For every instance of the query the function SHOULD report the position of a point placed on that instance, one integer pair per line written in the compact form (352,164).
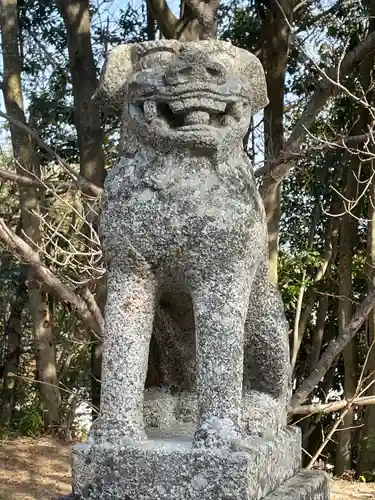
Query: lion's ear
(115,72)
(252,71)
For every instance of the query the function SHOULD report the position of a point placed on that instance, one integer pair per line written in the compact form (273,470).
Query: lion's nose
(196,66)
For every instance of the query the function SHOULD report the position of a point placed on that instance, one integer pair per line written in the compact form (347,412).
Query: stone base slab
(305,485)
(302,486)
(171,469)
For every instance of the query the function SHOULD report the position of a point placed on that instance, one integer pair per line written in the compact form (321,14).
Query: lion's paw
(215,432)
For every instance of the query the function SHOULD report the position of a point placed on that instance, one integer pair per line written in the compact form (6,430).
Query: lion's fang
(149,110)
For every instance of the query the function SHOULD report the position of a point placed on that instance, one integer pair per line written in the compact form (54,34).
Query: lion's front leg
(220,306)
(129,316)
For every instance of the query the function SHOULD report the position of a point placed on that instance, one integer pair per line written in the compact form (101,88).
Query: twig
(63,292)
(165,18)
(358,392)
(348,142)
(93,306)
(334,348)
(28,181)
(330,407)
(328,438)
(81,181)
(279,169)
(297,338)
(67,391)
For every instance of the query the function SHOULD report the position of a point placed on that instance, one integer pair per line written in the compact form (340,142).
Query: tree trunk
(318,332)
(82,67)
(12,334)
(45,347)
(274,56)
(366,465)
(151,26)
(197,20)
(330,254)
(90,137)
(348,233)
(30,199)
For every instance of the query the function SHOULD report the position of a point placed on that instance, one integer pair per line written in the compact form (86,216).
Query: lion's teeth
(160,123)
(149,110)
(227,120)
(197,118)
(237,111)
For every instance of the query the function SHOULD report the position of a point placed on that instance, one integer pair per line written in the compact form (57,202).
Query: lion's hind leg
(266,358)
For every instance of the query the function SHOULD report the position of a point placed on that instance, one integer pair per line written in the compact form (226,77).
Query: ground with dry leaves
(39,470)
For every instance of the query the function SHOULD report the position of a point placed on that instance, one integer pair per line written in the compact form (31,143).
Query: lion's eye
(225,59)
(159,58)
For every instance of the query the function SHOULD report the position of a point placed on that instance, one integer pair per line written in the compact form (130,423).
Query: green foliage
(240,23)
(29,421)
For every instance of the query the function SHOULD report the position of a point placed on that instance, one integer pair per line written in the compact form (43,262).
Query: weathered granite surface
(182,216)
(183,225)
(171,468)
(303,486)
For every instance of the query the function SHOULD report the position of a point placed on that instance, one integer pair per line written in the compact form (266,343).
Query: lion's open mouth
(193,111)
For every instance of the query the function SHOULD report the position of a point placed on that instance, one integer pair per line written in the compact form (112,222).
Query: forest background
(313,150)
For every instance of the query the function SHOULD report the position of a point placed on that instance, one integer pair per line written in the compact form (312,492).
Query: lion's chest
(172,208)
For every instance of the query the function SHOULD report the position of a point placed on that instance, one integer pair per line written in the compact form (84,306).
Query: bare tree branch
(7,175)
(63,292)
(352,141)
(164,17)
(279,169)
(334,348)
(93,306)
(74,253)
(205,13)
(323,14)
(81,182)
(361,388)
(328,437)
(330,407)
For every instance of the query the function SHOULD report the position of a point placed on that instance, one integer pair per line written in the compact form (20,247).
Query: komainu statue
(183,229)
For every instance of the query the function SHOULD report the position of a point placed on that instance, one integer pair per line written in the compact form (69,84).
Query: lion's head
(173,94)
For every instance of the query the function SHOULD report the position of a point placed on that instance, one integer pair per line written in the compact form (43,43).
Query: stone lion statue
(183,227)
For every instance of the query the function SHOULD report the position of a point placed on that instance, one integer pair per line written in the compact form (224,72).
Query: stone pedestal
(303,486)
(169,468)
